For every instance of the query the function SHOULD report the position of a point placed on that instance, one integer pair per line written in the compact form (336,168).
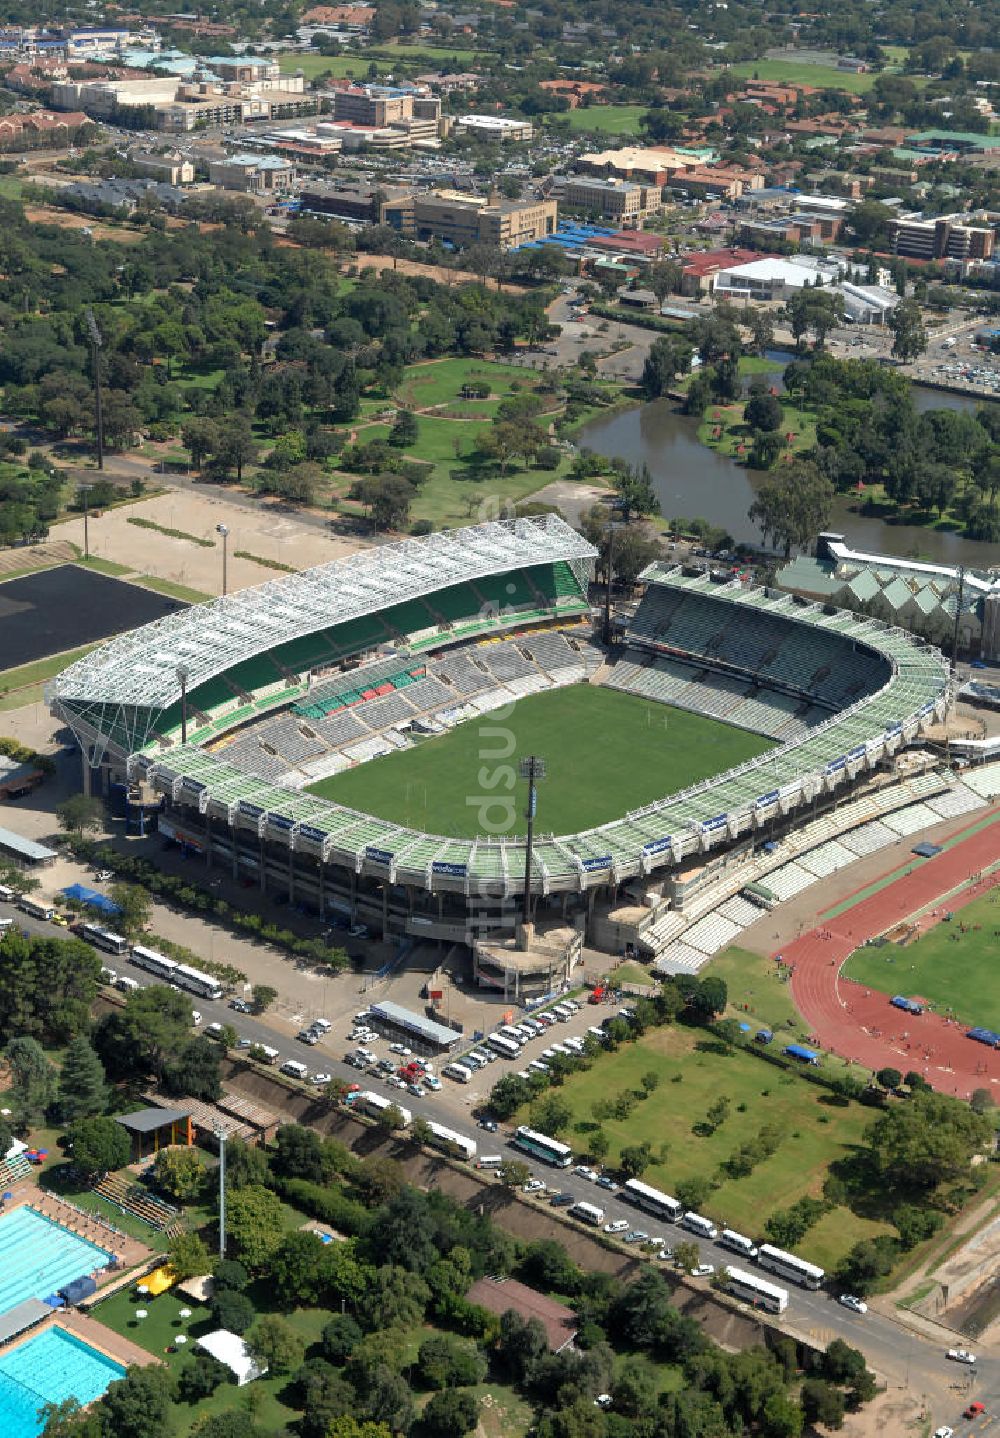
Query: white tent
(230,1349)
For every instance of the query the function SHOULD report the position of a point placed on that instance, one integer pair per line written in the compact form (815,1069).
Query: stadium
(348,737)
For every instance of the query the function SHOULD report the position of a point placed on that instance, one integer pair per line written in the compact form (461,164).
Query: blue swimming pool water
(38,1257)
(49,1369)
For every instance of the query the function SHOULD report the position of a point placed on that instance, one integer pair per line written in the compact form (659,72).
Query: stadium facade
(223,714)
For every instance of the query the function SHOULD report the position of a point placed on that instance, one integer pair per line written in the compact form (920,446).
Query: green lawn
(172,590)
(801,72)
(815,1133)
(38,671)
(606,753)
(758,989)
(603,119)
(440,383)
(954,971)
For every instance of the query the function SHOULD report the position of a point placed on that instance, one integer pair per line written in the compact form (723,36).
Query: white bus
(703,1227)
(458,1072)
(651,1200)
(376,1105)
(549,1150)
(507,1048)
(756,1290)
(7,895)
(729,1238)
(508,1031)
(104,939)
(587,1213)
(490,1162)
(788,1266)
(198,983)
(451,1142)
(37,908)
(157,964)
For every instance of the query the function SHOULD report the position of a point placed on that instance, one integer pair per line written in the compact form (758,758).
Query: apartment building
(946,237)
(253,174)
(620,201)
(459,219)
(167,165)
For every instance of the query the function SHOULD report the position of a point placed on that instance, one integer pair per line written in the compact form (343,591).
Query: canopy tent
(230,1349)
(92,899)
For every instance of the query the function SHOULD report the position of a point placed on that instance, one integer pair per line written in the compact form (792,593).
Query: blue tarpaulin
(799,1051)
(92,899)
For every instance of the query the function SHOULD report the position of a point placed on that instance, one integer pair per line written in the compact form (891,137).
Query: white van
(703,1227)
(127,985)
(7,895)
(294,1070)
(264,1053)
(458,1072)
(108,976)
(563,1013)
(490,1160)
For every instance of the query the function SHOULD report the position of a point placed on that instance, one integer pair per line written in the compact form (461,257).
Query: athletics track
(859,1023)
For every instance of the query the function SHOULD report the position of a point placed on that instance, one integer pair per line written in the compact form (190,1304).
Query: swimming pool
(38,1257)
(49,1369)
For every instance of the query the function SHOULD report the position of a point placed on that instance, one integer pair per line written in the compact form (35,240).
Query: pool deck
(84,1326)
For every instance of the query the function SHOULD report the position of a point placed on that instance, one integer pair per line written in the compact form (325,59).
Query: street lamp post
(96,341)
(182,673)
(223,529)
(85,491)
(533,769)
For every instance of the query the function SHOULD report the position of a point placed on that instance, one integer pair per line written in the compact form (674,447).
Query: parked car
(608,1183)
(975,1410)
(534,1185)
(239,1006)
(703,1270)
(562,1200)
(320,1080)
(489,1125)
(617,1225)
(590,1174)
(961,1355)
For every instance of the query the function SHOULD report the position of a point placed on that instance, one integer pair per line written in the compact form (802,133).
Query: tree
(869,220)
(236,447)
(981,1100)
(188,1256)
(551,1114)
(387,498)
(340,1338)
(763,412)
(297,1269)
(33,1081)
(636,495)
(135,908)
(246,1165)
(275,1345)
(180,1173)
(405,430)
(200,1377)
(255,1220)
(817,310)
(669,356)
(709,997)
(927,1141)
(80,813)
(687,1256)
(139,1404)
(230,1273)
(635,1159)
(447,1362)
(513,1173)
(889,1078)
(82,1088)
(200,437)
(232,1310)
(663,277)
(909,335)
(195,1071)
(298,1153)
(263,997)
(793,508)
(450,1414)
(761,326)
(147,1036)
(99,1145)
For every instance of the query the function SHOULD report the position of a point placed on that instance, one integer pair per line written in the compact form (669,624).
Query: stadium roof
(141,668)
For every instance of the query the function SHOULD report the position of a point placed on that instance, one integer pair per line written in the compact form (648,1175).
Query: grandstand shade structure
(871,689)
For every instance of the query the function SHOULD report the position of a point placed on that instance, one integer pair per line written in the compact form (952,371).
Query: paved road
(904,1358)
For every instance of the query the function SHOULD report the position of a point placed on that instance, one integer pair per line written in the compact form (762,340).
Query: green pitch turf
(954,971)
(605,753)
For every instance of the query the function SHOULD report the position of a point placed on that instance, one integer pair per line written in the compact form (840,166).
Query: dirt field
(268,532)
(47,215)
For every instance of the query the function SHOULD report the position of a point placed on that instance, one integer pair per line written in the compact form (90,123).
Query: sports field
(954,966)
(691,1076)
(605,753)
(801,72)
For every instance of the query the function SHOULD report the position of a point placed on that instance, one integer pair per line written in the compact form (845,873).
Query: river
(692,480)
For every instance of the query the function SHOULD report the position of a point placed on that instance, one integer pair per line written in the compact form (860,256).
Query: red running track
(860,1024)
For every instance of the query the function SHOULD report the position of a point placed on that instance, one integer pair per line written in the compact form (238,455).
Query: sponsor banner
(453,871)
(248,810)
(279,821)
(378,856)
(657,846)
(602,862)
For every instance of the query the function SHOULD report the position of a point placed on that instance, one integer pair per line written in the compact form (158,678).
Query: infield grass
(605,753)
(954,970)
(693,1073)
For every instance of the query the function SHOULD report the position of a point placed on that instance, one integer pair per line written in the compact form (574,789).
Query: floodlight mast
(96,344)
(532,768)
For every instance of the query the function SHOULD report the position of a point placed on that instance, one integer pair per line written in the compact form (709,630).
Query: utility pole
(223,529)
(221,1135)
(182,673)
(96,342)
(533,769)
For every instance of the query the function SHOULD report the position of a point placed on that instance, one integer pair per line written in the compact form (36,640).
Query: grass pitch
(605,753)
(954,970)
